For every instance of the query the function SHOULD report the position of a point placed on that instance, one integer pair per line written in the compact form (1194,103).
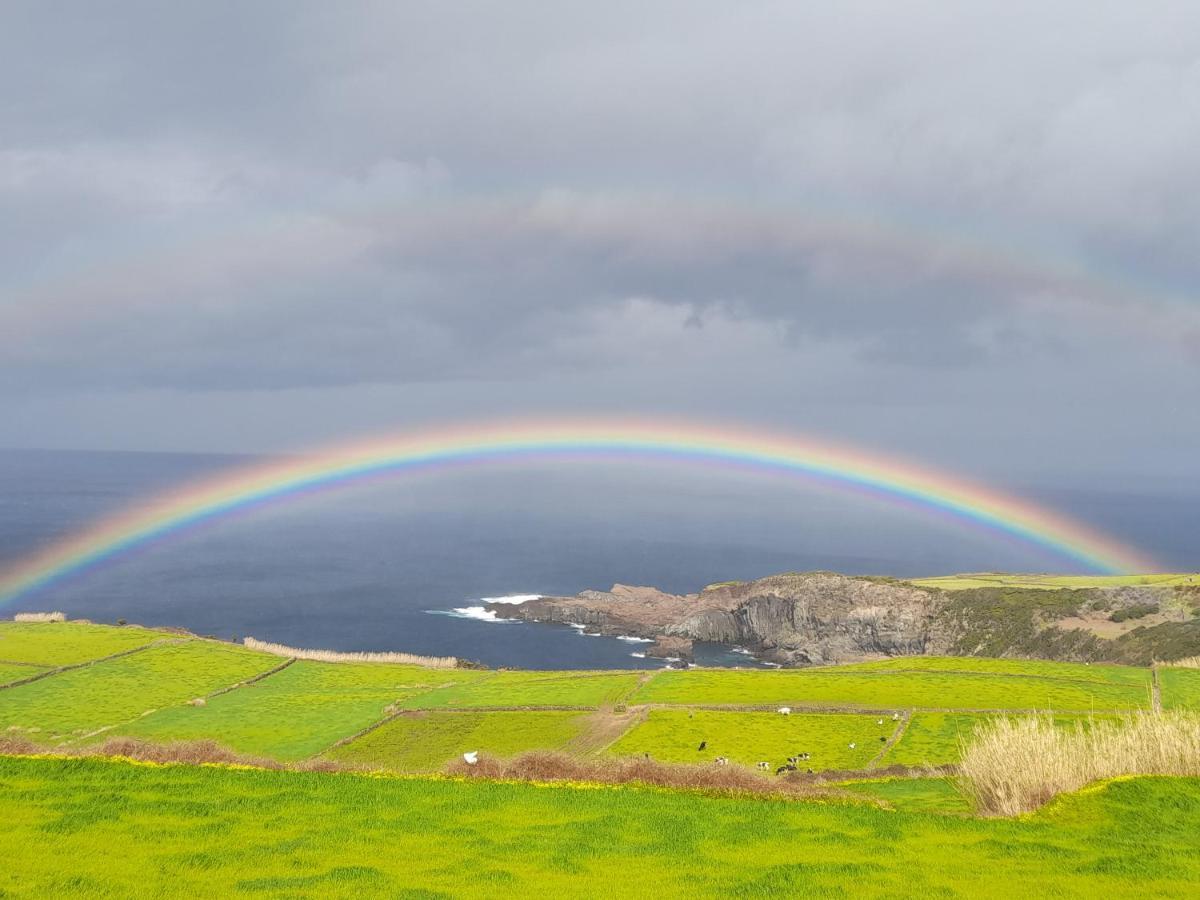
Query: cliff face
(820,618)
(791,619)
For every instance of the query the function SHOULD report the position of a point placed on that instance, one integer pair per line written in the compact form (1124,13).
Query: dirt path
(897,733)
(603,729)
(1155,690)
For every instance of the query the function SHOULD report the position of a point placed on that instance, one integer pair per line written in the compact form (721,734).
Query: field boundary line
(15,662)
(897,734)
(259,677)
(1155,690)
(800,707)
(91,662)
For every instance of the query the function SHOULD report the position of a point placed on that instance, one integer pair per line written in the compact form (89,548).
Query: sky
(967,234)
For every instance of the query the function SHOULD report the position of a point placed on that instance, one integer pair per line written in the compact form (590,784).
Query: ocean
(408,565)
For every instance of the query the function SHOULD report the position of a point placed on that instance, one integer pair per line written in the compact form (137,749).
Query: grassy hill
(130,830)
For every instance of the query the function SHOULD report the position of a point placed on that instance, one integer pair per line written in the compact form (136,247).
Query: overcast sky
(964,232)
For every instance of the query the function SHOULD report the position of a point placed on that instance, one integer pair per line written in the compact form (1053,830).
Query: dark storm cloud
(870,197)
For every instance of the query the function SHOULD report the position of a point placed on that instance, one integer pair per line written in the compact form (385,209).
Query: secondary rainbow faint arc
(227,494)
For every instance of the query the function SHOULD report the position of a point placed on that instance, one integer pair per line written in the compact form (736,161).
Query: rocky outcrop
(792,619)
(668,647)
(819,618)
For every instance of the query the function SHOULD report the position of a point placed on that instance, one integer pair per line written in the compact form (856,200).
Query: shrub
(1012,766)
(1137,611)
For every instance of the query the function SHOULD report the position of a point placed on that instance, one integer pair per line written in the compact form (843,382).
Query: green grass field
(425,741)
(10,672)
(673,735)
(67,643)
(1029,668)
(853,686)
(110,828)
(518,689)
(73,703)
(298,711)
(1052,582)
(1180,688)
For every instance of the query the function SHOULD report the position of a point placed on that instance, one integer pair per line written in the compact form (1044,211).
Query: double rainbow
(620,440)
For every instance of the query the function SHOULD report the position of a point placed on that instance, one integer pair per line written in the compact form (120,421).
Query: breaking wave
(482,613)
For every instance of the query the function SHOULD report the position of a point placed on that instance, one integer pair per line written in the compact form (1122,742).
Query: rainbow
(480,444)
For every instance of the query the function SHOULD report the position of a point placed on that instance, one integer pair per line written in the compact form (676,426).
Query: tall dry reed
(1012,766)
(1188,662)
(40,617)
(411,659)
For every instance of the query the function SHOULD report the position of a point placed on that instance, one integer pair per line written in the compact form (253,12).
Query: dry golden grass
(408,659)
(40,617)
(1011,766)
(1189,662)
(185,752)
(544,766)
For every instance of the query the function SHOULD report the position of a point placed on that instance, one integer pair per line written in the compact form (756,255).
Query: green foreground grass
(124,830)
(1180,688)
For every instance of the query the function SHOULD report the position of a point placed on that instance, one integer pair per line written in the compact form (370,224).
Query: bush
(1137,611)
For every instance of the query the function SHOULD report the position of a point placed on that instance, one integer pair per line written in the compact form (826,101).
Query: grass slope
(425,741)
(1180,688)
(1053,582)
(298,711)
(10,672)
(73,703)
(672,735)
(140,831)
(854,686)
(67,643)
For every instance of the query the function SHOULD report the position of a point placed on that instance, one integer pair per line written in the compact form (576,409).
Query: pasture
(512,689)
(69,643)
(75,703)
(1053,582)
(298,711)
(119,829)
(863,687)
(426,741)
(10,672)
(672,735)
(1180,687)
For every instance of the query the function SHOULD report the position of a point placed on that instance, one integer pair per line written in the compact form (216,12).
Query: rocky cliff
(819,618)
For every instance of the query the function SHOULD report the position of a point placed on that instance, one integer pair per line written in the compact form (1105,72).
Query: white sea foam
(637,655)
(635,640)
(482,613)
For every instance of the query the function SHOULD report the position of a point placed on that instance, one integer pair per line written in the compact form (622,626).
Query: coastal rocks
(790,619)
(668,647)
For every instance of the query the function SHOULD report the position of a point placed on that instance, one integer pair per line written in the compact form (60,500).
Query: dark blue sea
(404,565)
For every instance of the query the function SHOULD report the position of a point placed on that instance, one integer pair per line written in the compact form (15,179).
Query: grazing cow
(764,766)
(785,710)
(882,739)
(722,760)
(810,771)
(783,770)
(703,744)
(895,717)
(880,722)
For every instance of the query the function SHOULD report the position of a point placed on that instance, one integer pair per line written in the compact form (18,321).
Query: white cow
(785,710)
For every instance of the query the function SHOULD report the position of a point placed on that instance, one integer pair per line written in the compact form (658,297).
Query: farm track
(892,741)
(1155,690)
(604,728)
